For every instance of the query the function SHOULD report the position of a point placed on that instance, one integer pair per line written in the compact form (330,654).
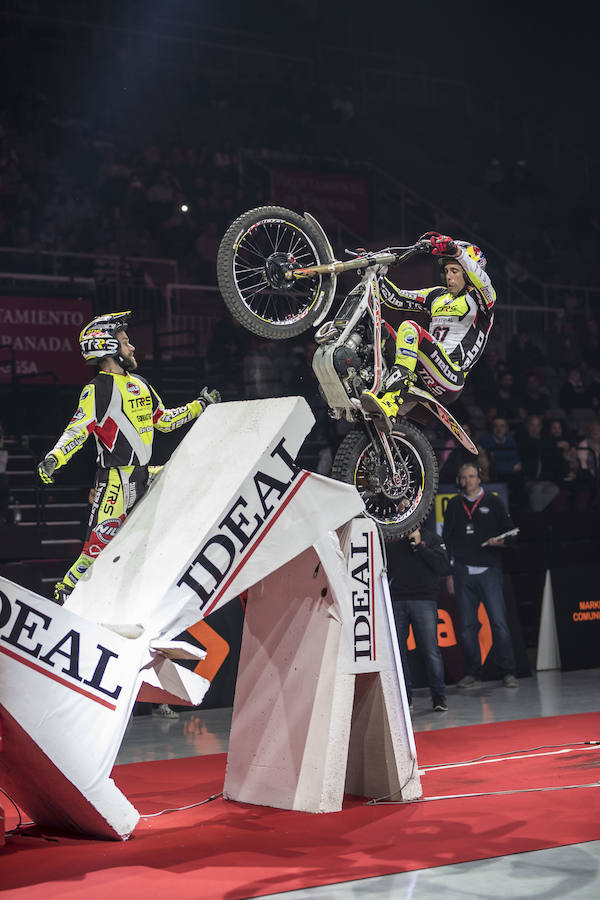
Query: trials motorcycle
(277,275)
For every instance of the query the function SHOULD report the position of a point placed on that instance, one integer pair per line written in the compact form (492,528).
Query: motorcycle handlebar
(389,257)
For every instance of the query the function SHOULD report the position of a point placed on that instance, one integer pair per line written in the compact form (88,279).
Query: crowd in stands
(534,416)
(142,179)
(536,424)
(101,167)
(163,184)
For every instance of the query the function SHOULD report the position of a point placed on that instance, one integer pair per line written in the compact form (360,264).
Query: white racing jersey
(460,324)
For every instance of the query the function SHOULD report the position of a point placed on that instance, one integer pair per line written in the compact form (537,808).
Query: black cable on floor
(564,787)
(20,824)
(386,799)
(467,762)
(180,808)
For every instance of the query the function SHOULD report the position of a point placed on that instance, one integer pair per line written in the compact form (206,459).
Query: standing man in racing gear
(461,314)
(122,411)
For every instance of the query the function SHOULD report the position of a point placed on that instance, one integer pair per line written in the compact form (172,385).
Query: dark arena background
(132,133)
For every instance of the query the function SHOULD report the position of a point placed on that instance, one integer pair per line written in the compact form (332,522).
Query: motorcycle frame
(338,396)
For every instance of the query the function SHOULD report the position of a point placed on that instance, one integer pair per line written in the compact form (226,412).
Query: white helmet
(472,250)
(99,340)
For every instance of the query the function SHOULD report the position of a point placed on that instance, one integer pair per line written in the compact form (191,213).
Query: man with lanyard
(475,527)
(122,411)
(461,316)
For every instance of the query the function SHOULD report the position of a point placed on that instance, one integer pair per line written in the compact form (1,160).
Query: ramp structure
(230,511)
(320,705)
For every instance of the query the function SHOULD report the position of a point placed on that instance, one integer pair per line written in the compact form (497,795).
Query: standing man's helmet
(99,340)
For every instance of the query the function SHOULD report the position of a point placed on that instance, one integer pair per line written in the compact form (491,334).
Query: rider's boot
(61,592)
(385,408)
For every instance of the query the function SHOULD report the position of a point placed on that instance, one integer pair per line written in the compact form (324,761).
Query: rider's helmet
(472,250)
(99,339)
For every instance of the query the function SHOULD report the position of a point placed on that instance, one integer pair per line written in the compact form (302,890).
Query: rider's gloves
(442,245)
(207,397)
(46,469)
(425,241)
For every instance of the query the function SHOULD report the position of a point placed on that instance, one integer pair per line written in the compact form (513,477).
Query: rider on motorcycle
(122,411)
(461,314)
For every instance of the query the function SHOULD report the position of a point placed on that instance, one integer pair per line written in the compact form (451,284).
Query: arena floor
(569,871)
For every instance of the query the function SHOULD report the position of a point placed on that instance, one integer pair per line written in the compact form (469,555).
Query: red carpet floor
(230,850)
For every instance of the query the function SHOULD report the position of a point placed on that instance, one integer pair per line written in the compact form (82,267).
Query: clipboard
(511,533)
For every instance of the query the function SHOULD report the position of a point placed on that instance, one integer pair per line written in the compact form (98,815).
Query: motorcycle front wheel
(254,253)
(398,505)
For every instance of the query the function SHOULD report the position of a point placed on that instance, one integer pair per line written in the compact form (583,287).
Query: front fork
(380,438)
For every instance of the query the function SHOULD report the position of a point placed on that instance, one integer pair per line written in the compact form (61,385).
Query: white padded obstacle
(230,507)
(230,511)
(67,688)
(320,706)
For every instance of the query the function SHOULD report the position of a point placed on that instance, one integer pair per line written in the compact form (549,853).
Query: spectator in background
(543,465)
(530,447)
(506,403)
(523,354)
(573,393)
(415,567)
(588,451)
(501,446)
(560,440)
(557,452)
(473,518)
(484,379)
(532,401)
(459,455)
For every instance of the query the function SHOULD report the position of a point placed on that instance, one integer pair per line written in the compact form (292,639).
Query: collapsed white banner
(229,508)
(67,688)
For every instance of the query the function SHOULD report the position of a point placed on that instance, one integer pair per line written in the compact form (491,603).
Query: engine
(353,355)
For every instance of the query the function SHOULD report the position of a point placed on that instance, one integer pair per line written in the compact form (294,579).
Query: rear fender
(424,400)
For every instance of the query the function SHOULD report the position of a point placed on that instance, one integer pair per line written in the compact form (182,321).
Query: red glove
(442,245)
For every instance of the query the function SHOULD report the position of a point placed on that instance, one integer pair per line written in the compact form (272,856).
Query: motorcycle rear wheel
(272,236)
(400,507)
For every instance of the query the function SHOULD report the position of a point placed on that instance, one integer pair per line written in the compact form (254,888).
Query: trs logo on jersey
(136,402)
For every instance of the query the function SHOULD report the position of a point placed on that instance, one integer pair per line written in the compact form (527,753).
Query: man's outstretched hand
(207,397)
(46,469)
